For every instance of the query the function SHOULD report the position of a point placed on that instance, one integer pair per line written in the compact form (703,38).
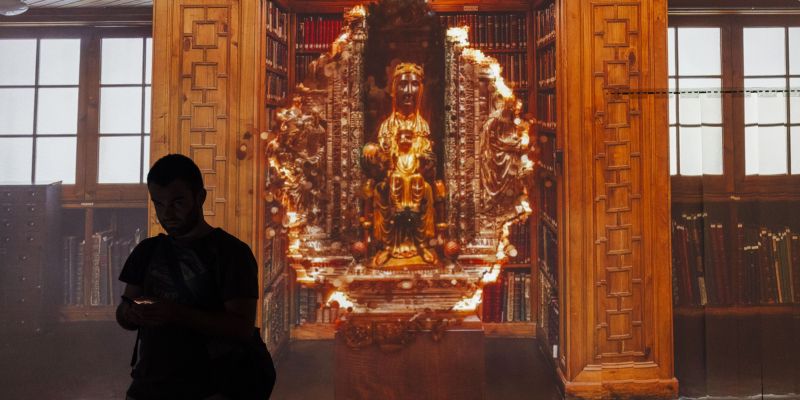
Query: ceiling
(87,3)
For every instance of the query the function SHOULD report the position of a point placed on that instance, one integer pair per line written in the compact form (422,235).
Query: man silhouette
(191,293)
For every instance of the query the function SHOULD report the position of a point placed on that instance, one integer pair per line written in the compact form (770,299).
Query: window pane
(795,139)
(672,102)
(764,51)
(122,61)
(702,107)
(146,163)
(765,107)
(119,159)
(673,154)
(16,111)
(671,50)
(55,160)
(794,99)
(765,150)
(147,94)
(691,151)
(58,111)
(794,51)
(698,51)
(21,68)
(59,61)
(149,61)
(15,160)
(712,150)
(121,110)
(751,150)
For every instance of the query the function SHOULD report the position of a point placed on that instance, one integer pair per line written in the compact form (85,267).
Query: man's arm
(126,316)
(237,321)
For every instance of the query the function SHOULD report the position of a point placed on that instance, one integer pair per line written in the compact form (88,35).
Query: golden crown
(408,68)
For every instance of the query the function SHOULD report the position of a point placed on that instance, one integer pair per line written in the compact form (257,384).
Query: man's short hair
(172,167)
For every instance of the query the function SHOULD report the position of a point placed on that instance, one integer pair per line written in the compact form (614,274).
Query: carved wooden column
(616,299)
(205,91)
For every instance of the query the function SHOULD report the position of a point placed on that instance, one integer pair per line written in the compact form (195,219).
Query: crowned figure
(400,213)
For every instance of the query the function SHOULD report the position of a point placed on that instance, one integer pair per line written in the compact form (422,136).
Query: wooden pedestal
(452,368)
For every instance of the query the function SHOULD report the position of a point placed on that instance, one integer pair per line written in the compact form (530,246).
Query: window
(124,110)
(39,110)
(734,104)
(695,106)
(54,77)
(772,115)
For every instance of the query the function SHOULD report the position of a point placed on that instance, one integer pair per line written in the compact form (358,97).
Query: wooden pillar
(205,98)
(616,298)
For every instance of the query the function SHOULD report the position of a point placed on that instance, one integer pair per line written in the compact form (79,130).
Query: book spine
(795,250)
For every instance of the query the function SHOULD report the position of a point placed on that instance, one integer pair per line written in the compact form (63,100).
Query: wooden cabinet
(29,274)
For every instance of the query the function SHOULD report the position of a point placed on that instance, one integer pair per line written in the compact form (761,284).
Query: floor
(89,361)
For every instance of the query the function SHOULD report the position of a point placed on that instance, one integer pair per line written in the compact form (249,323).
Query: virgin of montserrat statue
(400,213)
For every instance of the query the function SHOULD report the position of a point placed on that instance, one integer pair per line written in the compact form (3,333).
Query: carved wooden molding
(617,315)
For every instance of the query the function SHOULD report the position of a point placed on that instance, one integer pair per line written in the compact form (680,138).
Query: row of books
(104,255)
(520,237)
(311,309)
(546,67)
(549,199)
(548,254)
(547,154)
(748,265)
(317,32)
(277,55)
(277,21)
(549,312)
(274,314)
(492,31)
(545,22)
(274,258)
(515,69)
(508,299)
(277,86)
(302,63)
(546,109)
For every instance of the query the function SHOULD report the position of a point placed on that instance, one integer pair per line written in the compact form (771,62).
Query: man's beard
(190,223)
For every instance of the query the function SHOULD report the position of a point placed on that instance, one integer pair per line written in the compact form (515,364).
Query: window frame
(734,182)
(86,189)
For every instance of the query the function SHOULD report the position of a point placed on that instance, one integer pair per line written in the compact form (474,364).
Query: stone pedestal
(424,369)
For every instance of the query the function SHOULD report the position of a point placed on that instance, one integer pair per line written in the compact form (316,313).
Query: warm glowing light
(491,275)
(459,34)
(525,140)
(295,245)
(292,217)
(341,298)
(358,11)
(474,54)
(471,303)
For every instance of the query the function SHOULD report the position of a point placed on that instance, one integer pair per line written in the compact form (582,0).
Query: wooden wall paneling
(617,300)
(202,106)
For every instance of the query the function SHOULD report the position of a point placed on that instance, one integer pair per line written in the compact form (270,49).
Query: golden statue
(399,199)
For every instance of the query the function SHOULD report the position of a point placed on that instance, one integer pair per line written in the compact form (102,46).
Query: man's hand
(157,313)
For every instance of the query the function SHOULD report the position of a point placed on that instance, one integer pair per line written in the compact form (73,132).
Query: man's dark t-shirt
(174,361)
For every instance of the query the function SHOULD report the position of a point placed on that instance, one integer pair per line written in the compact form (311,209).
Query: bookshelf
(509,304)
(96,239)
(314,34)
(275,61)
(504,36)
(545,121)
(734,255)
